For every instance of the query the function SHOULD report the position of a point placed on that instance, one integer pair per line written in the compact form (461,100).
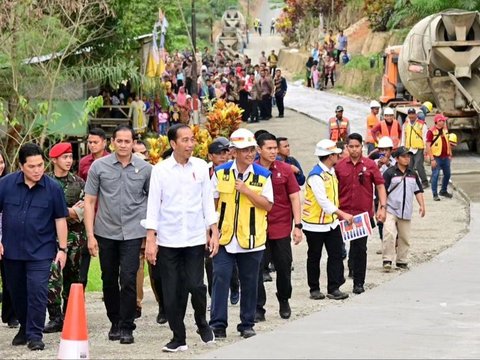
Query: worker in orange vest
(338,126)
(389,126)
(372,121)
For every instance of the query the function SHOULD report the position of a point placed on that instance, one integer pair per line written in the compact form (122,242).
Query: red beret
(60,149)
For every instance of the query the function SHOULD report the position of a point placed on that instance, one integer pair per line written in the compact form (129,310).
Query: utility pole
(194,66)
(248,20)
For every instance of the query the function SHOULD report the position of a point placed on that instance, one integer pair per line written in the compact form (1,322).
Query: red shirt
(430,137)
(355,184)
(85,164)
(280,217)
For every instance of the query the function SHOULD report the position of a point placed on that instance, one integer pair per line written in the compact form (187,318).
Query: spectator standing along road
(280,86)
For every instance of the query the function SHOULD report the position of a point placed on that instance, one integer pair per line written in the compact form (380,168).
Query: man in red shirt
(286,196)
(96,142)
(356,176)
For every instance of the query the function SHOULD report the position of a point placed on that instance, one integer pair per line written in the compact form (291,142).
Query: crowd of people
(255,86)
(321,66)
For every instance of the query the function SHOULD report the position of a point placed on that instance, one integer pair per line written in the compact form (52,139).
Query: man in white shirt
(180,212)
(244,194)
(321,225)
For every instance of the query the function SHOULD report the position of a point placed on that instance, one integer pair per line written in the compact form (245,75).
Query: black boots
(56,320)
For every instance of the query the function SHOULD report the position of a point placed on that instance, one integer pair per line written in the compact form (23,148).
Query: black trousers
(8,314)
(84,266)
(157,286)
(357,260)
(255,110)
(333,244)
(119,261)
(266,107)
(280,106)
(281,255)
(182,273)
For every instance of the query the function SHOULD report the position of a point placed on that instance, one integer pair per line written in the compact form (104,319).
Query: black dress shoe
(20,338)
(317,295)
(358,289)
(247,333)
(126,337)
(36,345)
(161,318)
(259,316)
(114,333)
(337,295)
(220,333)
(12,324)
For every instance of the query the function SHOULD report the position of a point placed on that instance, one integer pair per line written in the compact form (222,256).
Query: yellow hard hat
(428,105)
(452,139)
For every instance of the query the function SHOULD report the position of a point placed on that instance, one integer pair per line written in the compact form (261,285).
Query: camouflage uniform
(73,188)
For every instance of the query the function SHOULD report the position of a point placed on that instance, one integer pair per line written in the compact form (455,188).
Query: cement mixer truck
(439,62)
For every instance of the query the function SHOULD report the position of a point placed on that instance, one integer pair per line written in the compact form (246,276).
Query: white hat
(374,103)
(326,147)
(385,142)
(388,111)
(242,138)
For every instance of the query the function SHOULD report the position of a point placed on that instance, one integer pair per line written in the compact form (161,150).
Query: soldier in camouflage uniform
(73,186)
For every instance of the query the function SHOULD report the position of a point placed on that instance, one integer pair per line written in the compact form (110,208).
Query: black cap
(402,150)
(217,147)
(411,111)
(339,108)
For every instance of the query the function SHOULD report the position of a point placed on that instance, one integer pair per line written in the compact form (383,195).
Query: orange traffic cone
(74,341)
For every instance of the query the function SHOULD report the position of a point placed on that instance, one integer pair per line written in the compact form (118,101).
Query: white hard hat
(385,142)
(374,103)
(326,147)
(388,111)
(242,138)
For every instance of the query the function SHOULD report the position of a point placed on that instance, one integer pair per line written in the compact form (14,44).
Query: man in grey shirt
(120,183)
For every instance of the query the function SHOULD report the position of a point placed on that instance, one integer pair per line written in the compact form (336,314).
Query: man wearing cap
(372,121)
(440,155)
(244,195)
(34,234)
(402,185)
(414,135)
(321,224)
(73,186)
(388,127)
(218,154)
(338,126)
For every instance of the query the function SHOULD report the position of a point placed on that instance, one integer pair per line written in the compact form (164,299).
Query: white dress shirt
(318,188)
(180,203)
(233,247)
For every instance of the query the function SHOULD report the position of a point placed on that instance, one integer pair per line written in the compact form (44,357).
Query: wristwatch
(299,226)
(62,249)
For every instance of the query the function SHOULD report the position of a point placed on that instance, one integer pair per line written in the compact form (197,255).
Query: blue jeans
(444,165)
(27,282)
(248,268)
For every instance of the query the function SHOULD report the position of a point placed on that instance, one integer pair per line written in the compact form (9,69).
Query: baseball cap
(242,138)
(411,111)
(339,108)
(402,150)
(326,147)
(217,147)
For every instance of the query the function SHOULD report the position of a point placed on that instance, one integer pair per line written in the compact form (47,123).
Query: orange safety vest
(338,132)
(436,146)
(372,121)
(394,135)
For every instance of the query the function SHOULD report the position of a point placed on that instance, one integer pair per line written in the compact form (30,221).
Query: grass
(95,275)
